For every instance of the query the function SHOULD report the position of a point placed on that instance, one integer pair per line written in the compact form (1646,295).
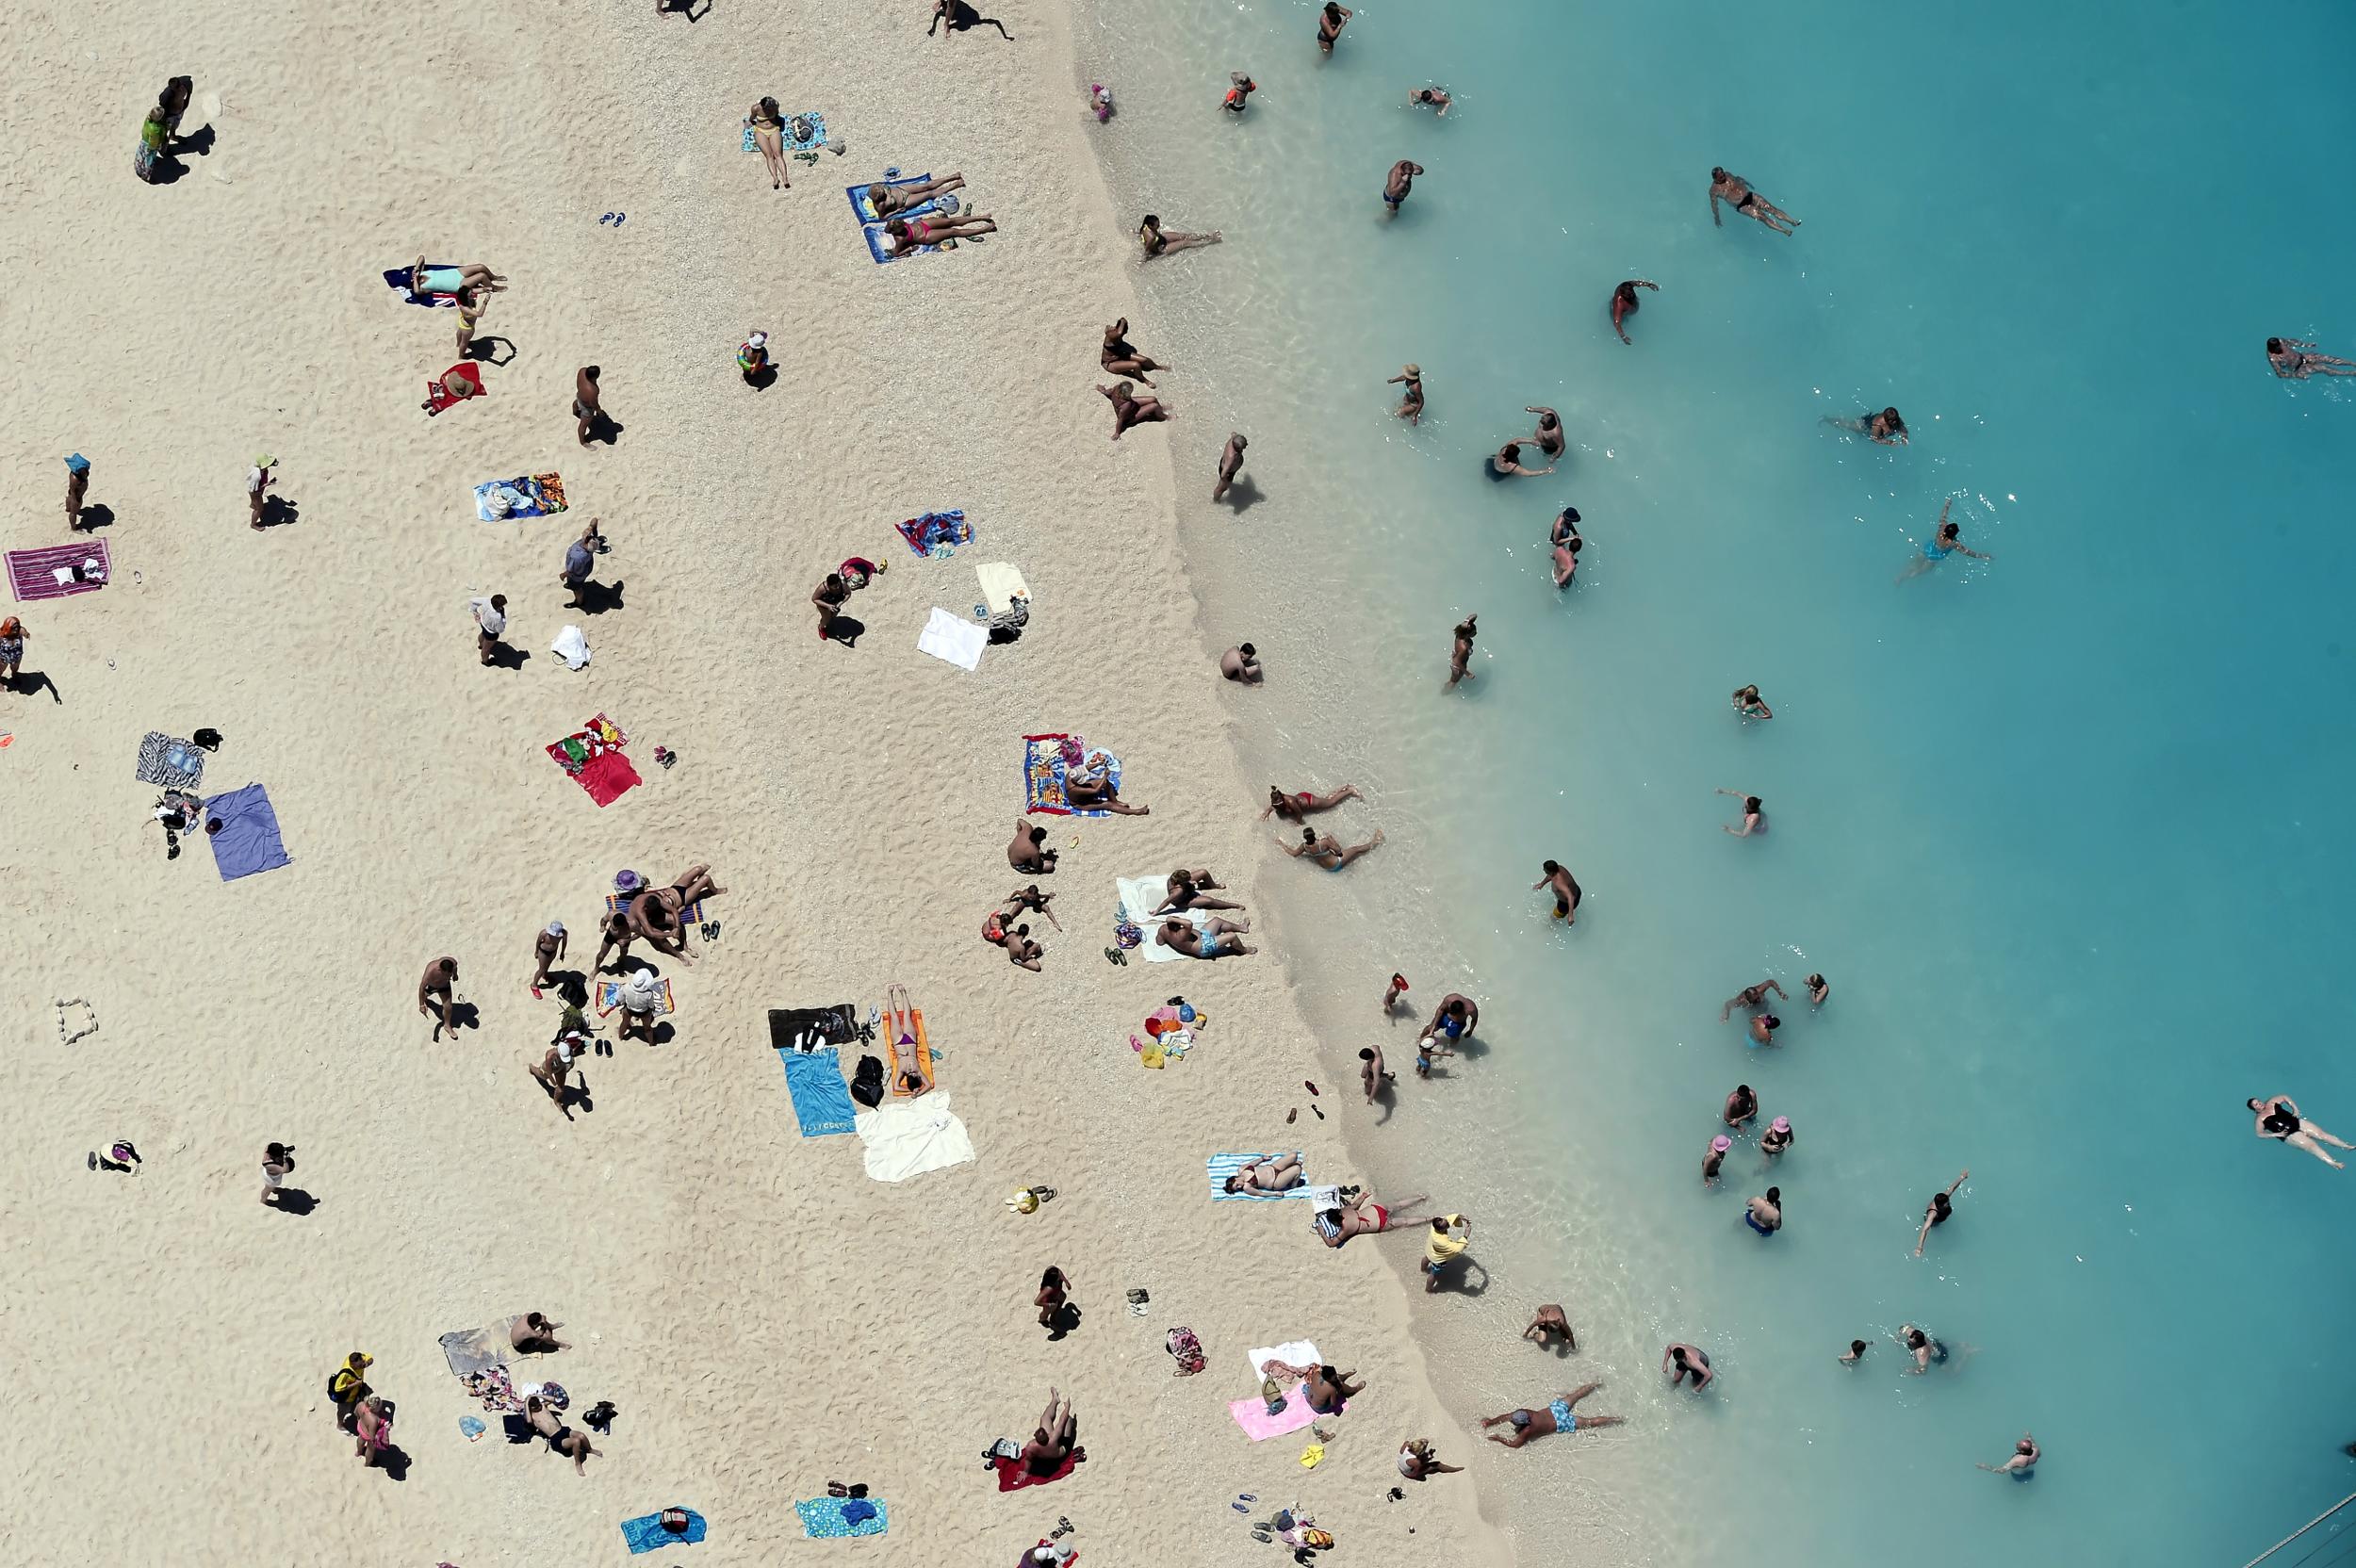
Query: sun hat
(758,340)
(1721,1144)
(77,461)
(1781,1125)
(1412,370)
(264,460)
(556,928)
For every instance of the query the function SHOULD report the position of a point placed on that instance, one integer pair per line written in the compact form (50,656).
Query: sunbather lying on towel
(889,199)
(1091,786)
(1051,1444)
(424,280)
(1268,1173)
(564,1440)
(1027,851)
(1357,1214)
(1213,940)
(1185,892)
(903,235)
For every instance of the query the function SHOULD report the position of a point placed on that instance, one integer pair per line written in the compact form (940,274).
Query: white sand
(765,1317)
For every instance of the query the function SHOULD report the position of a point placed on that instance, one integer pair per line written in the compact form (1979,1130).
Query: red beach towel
(607,775)
(1013,1475)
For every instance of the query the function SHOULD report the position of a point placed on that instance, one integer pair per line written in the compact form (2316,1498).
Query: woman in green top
(152,138)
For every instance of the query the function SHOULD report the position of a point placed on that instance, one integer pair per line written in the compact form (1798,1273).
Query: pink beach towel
(33,574)
(1258,1425)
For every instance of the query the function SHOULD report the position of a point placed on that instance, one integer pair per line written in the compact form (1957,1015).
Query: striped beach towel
(610,998)
(692,915)
(33,574)
(1224,1165)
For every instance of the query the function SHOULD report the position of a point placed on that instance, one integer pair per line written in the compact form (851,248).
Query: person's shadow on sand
(394,1462)
(683,8)
(603,427)
(278,512)
(465,1015)
(1065,1318)
(97,515)
(1242,496)
(27,683)
(846,629)
(485,350)
(294,1200)
(594,598)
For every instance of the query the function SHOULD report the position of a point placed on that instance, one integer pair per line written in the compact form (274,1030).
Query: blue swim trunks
(1564,1419)
(1752,1220)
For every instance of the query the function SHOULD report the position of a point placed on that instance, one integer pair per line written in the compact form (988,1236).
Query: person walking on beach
(1561,1416)
(277,1164)
(1885,429)
(546,948)
(1736,191)
(1942,1209)
(1750,996)
(1242,664)
(471,303)
(2291,360)
(2279,1118)
(1566,889)
(752,360)
(829,596)
(1326,850)
(258,478)
(1748,703)
(1411,401)
(1764,1213)
(1399,183)
(580,558)
(1949,542)
(1565,537)
(552,1073)
(1129,410)
(1229,464)
(439,985)
(1331,21)
(1451,1234)
(1754,815)
(490,625)
(76,487)
(1460,657)
(2022,1463)
(13,636)
(1548,1323)
(587,408)
(1027,852)
(1681,1362)
(1624,302)
(1158,241)
(1119,356)
(1391,993)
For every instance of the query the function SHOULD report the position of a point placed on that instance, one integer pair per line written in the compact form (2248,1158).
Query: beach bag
(1187,1351)
(867,1083)
(673,1520)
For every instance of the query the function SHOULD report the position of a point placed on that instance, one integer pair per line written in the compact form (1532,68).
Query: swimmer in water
(1130,411)
(1884,429)
(1397,185)
(1778,1137)
(1558,1416)
(1506,463)
(1566,887)
(1159,241)
(1430,98)
(1818,988)
(1949,542)
(1293,807)
(2025,1454)
(1411,403)
(2279,1118)
(2292,362)
(1942,1208)
(1461,655)
(1122,359)
(1326,850)
(1716,1158)
(1855,1354)
(1765,1214)
(1624,303)
(1735,191)
(1550,433)
(1762,1028)
(1750,996)
(1921,1347)
(1748,703)
(1681,1362)
(1239,91)
(1567,544)
(1754,815)
(1331,21)
(1741,1106)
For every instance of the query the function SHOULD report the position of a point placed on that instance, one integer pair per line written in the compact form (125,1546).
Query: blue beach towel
(1224,1165)
(397,279)
(822,1101)
(872,226)
(248,840)
(803,132)
(822,1518)
(647,1534)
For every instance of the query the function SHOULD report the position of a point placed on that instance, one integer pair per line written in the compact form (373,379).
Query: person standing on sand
(1129,410)
(546,948)
(1331,21)
(1371,1074)
(580,558)
(1566,887)
(551,1072)
(490,622)
(1397,184)
(277,1164)
(471,303)
(587,408)
(258,478)
(1242,664)
(1411,400)
(373,1429)
(1122,359)
(1326,850)
(1159,241)
(1624,303)
(13,636)
(440,983)
(829,596)
(1461,656)
(76,487)
(1558,1416)
(618,933)
(1229,464)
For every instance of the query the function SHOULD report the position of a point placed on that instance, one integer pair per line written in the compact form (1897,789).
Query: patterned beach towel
(646,1534)
(56,570)
(822,1518)
(1046,758)
(173,764)
(802,132)
(692,915)
(541,493)
(936,533)
(397,279)
(610,998)
(1013,1475)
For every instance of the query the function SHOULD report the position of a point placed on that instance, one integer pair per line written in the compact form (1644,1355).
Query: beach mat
(472,1351)
(542,494)
(935,534)
(866,209)
(1139,897)
(248,840)
(822,1519)
(591,758)
(172,763)
(646,1534)
(1043,769)
(397,279)
(1258,1425)
(822,1101)
(1224,1165)
(1013,1475)
(909,1137)
(33,574)
(801,133)
(610,998)
(839,1023)
(919,1048)
(953,640)
(1001,585)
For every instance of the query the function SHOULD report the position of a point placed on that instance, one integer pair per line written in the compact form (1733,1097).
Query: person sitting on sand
(1020,950)
(535,1335)
(1295,807)
(1339,1213)
(562,1438)
(1186,893)
(1027,852)
(1214,938)
(426,281)
(1561,1416)
(1052,1442)
(373,1429)
(1241,664)
(1130,410)
(1266,1173)
(1121,356)
(439,985)
(1326,850)
(1548,1323)
(1159,241)
(904,234)
(768,127)
(1416,1461)
(546,948)
(1091,786)
(962,17)
(890,199)
(1325,1390)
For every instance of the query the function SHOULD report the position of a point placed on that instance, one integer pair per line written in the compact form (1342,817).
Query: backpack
(1182,1344)
(867,1083)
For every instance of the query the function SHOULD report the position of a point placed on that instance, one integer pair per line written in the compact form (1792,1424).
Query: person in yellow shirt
(1451,1235)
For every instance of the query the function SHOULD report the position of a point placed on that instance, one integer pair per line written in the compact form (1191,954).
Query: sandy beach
(765,1318)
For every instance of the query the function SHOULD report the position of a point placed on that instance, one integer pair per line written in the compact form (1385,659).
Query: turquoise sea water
(2065,829)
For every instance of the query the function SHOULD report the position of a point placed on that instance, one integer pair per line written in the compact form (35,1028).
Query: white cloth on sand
(908,1138)
(1139,897)
(999,585)
(953,639)
(1298,1352)
(571,647)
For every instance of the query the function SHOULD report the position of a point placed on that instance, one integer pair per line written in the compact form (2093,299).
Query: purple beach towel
(248,840)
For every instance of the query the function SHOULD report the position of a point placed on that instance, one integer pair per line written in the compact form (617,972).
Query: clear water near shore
(2063,828)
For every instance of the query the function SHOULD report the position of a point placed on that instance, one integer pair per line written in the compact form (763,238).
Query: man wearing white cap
(752,357)
(550,947)
(257,479)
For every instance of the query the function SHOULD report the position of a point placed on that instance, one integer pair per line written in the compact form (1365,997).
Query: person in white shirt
(490,617)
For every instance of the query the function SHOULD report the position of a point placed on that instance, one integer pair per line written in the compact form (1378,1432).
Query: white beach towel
(908,1138)
(1300,1353)
(571,647)
(1139,897)
(999,585)
(953,639)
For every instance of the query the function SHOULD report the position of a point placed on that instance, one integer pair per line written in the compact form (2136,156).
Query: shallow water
(2062,827)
